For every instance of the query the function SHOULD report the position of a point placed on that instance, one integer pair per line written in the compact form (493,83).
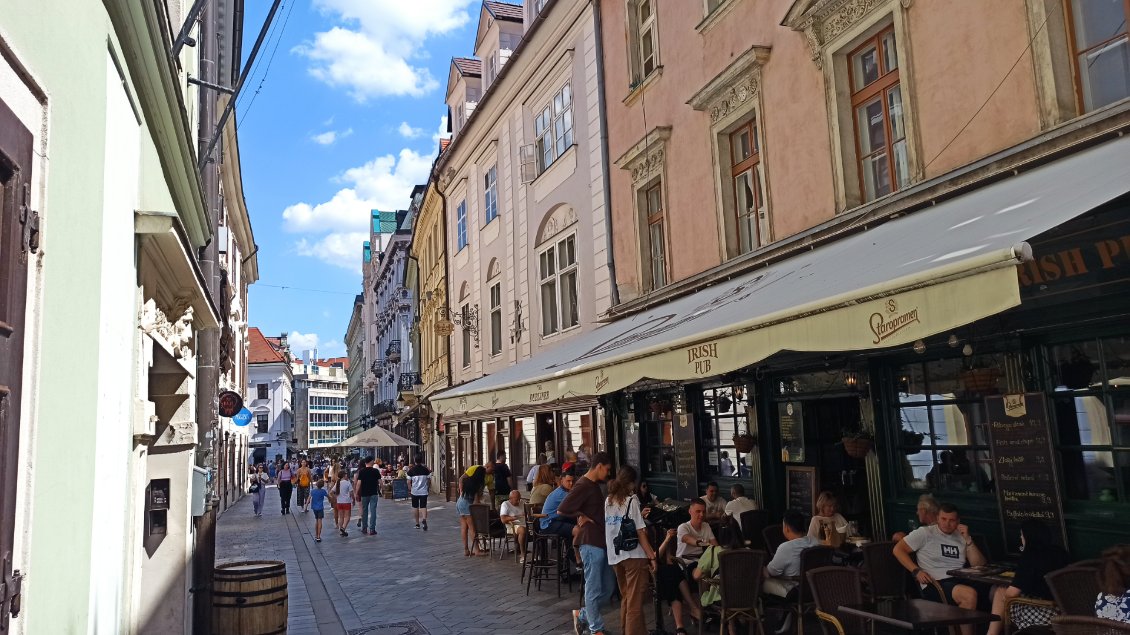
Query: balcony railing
(392,353)
(387,406)
(408,382)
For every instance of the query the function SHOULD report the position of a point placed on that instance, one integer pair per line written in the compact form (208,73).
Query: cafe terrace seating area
(859,588)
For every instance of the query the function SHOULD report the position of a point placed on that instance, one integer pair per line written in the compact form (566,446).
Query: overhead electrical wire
(290,288)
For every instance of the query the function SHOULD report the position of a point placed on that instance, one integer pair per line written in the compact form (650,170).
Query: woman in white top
(633,567)
(828,525)
(343,496)
(258,488)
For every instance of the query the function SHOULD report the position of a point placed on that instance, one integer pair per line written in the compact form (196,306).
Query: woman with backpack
(629,552)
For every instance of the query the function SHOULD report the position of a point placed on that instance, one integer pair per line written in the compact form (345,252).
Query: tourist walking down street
(369,492)
(258,488)
(343,498)
(421,478)
(304,477)
(286,486)
(586,503)
(470,486)
(629,552)
(318,505)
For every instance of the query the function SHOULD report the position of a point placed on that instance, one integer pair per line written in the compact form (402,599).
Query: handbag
(628,538)
(254,489)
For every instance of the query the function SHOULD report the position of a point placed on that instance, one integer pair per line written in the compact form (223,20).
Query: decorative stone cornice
(647,156)
(737,84)
(822,21)
(177,335)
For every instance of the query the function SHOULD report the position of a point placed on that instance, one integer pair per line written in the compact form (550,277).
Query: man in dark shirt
(368,487)
(501,479)
(586,503)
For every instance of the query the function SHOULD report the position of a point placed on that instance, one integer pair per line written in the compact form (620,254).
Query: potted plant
(857,443)
(744,442)
(911,441)
(980,379)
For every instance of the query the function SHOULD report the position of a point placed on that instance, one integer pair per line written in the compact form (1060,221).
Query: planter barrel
(249,598)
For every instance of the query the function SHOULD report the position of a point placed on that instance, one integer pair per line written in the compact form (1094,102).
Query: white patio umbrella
(376,437)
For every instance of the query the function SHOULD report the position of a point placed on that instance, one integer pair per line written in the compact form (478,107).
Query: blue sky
(347,119)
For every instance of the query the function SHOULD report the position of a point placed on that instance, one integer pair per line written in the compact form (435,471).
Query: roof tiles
(468,65)
(262,351)
(504,10)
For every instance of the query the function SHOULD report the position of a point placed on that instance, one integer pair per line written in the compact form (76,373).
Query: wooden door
(18,238)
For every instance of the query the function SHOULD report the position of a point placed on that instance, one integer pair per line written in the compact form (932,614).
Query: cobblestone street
(401,582)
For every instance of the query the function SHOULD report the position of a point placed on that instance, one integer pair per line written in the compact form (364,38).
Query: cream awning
(912,277)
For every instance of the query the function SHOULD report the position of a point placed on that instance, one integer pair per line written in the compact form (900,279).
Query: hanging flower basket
(980,380)
(857,447)
(911,441)
(1077,373)
(744,442)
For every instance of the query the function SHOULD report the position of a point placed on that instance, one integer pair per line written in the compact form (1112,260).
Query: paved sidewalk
(402,581)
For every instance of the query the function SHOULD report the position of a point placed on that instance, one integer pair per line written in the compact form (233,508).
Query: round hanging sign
(230,403)
(242,418)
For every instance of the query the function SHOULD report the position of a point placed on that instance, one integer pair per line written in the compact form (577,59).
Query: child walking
(344,502)
(318,506)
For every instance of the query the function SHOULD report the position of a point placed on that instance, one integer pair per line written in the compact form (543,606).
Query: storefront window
(942,435)
(525,445)
(656,421)
(578,436)
(723,415)
(1091,400)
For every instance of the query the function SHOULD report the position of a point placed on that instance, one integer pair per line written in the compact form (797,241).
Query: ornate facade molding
(739,83)
(822,21)
(178,334)
(648,156)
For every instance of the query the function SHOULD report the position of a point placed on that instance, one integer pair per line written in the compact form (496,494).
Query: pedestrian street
(402,581)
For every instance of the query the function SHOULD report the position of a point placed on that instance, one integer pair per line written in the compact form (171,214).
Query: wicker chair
(739,573)
(799,601)
(886,577)
(753,524)
(487,530)
(1079,625)
(833,587)
(1006,617)
(774,536)
(1074,590)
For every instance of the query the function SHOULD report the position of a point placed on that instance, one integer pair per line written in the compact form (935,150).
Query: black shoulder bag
(628,538)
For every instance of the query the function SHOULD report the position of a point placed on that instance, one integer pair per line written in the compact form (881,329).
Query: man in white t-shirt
(715,503)
(511,514)
(695,534)
(739,504)
(940,548)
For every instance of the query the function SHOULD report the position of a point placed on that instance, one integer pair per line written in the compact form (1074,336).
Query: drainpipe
(443,225)
(602,109)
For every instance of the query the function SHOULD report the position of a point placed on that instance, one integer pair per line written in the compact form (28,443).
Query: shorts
(513,526)
(344,507)
(668,577)
(419,502)
(463,506)
(319,513)
(947,584)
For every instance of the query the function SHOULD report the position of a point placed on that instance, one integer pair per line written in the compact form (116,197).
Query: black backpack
(628,538)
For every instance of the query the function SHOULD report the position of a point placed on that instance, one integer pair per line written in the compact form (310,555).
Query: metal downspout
(602,109)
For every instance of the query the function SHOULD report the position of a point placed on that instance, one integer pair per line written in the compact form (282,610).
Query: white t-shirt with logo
(937,552)
(613,516)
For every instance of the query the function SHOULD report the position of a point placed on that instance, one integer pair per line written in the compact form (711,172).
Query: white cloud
(300,342)
(335,229)
(441,132)
(372,55)
(330,136)
(408,132)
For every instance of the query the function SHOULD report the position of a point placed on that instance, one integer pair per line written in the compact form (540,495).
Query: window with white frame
(492,68)
(496,318)
(466,331)
(644,40)
(1101,45)
(490,193)
(461,225)
(877,110)
(557,272)
(711,5)
(553,128)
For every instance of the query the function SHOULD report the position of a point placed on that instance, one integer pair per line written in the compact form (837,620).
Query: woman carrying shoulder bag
(629,552)
(257,487)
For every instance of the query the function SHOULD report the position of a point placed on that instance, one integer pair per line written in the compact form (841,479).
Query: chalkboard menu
(399,488)
(790,421)
(800,489)
(1023,465)
(632,443)
(686,459)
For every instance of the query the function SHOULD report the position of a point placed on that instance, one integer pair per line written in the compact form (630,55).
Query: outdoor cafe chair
(754,522)
(799,601)
(833,587)
(739,588)
(1080,625)
(886,577)
(774,537)
(1074,589)
(487,530)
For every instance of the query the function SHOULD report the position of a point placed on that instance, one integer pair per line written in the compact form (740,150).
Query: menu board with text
(686,459)
(800,489)
(790,421)
(1023,464)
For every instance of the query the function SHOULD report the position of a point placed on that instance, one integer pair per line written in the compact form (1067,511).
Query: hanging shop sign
(444,328)
(242,418)
(230,403)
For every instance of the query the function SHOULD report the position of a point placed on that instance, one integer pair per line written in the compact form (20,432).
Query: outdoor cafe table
(991,574)
(915,614)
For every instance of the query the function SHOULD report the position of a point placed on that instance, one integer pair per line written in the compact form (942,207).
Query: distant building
(320,402)
(269,397)
(358,373)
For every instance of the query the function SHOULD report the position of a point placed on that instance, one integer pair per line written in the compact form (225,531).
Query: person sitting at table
(553,523)
(1113,601)
(695,534)
(783,571)
(940,548)
(512,516)
(714,502)
(739,504)
(671,583)
(570,461)
(927,512)
(543,484)
(1039,556)
(828,525)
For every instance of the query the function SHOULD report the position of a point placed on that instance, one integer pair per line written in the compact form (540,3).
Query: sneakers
(317,539)
(425,524)
(358,522)
(579,627)
(343,532)
(417,525)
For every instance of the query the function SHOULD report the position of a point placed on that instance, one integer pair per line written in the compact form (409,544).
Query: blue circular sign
(242,418)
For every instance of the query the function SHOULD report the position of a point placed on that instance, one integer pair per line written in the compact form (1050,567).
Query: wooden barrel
(249,598)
